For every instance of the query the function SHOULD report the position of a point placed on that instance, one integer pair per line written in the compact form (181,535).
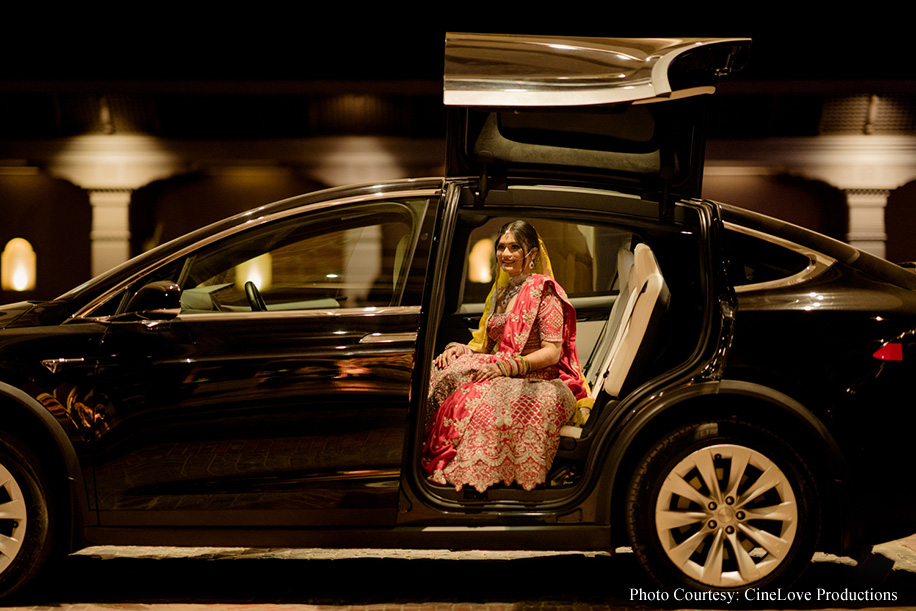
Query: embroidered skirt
(501,430)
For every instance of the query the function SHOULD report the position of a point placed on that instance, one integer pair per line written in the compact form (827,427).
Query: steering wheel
(254,297)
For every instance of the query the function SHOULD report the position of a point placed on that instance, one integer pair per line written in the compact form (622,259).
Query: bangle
(462,348)
(514,366)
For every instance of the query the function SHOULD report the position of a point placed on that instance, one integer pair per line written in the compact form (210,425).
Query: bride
(498,403)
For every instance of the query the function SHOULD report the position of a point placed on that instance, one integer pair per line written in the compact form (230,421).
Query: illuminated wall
(54,217)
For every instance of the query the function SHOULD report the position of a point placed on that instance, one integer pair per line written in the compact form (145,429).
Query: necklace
(511,290)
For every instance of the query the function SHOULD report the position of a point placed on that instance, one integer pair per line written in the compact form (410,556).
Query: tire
(25,517)
(723,506)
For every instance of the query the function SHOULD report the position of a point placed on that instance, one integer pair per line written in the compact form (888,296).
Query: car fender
(42,422)
(663,411)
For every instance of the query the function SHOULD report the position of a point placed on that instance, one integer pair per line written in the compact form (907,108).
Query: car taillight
(892,351)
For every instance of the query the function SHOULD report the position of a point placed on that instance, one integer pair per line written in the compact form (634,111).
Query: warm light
(258,270)
(480,262)
(17,266)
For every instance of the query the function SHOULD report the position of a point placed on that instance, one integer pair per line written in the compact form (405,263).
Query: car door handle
(55,365)
(387,338)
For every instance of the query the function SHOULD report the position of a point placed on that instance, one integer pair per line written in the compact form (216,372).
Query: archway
(55,217)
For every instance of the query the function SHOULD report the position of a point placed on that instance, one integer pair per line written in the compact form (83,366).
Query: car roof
(628,111)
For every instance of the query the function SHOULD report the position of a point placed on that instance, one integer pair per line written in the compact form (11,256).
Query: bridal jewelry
(511,290)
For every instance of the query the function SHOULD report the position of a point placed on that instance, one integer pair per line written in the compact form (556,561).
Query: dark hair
(523,232)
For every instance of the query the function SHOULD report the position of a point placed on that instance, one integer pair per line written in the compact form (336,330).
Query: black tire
(26,520)
(755,525)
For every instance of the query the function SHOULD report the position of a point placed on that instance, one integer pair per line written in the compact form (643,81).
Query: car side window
(752,260)
(340,256)
(345,257)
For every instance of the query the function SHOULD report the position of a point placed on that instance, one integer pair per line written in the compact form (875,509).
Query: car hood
(9,313)
(626,110)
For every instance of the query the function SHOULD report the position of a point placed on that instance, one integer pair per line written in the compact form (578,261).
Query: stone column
(109,168)
(867,230)
(866,168)
(110,228)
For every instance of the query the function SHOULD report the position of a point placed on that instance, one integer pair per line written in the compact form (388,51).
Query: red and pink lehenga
(506,429)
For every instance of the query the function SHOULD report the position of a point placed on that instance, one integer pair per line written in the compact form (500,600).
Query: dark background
(303,41)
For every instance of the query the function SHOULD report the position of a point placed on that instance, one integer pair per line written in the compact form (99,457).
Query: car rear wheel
(722,505)
(25,517)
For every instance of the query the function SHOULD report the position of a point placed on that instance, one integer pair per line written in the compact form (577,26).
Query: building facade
(89,178)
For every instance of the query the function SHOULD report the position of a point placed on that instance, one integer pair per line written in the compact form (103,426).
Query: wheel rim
(726,516)
(12,518)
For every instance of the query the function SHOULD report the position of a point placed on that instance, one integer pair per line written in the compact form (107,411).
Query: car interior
(623,311)
(358,262)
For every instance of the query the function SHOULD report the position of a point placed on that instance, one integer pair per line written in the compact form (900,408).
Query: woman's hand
(487,372)
(448,355)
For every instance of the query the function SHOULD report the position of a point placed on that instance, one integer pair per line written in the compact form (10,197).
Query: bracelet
(462,348)
(514,366)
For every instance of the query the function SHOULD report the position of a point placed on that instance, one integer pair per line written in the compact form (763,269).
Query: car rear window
(861,260)
(752,260)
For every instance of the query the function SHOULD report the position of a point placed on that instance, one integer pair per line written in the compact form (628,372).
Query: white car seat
(632,325)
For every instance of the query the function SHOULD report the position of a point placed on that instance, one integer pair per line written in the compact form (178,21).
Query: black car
(263,381)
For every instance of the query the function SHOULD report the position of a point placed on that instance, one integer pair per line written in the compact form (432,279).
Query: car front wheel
(25,518)
(722,505)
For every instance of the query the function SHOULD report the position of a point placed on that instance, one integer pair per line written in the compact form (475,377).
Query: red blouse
(548,327)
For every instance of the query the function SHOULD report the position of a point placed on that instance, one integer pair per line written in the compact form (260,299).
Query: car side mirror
(155,301)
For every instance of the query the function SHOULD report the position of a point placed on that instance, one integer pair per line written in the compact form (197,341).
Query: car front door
(231,415)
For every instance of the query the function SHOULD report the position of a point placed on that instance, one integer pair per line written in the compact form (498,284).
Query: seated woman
(497,404)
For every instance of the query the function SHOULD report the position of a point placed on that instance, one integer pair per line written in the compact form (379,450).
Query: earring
(531,265)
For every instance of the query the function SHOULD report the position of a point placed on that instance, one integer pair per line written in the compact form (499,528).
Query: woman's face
(511,254)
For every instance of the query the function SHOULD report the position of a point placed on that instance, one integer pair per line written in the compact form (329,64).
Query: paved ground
(244,579)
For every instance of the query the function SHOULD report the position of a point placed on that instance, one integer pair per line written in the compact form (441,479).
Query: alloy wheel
(13,520)
(726,515)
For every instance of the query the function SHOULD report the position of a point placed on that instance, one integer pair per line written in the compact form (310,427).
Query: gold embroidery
(506,429)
